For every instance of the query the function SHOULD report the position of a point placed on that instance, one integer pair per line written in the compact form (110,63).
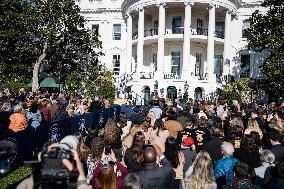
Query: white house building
(169,46)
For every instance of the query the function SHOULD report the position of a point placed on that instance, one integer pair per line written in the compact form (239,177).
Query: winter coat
(34,119)
(224,169)
(18,122)
(161,139)
(173,127)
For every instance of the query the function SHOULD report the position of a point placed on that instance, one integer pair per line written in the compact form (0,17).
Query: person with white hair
(18,120)
(267,160)
(224,167)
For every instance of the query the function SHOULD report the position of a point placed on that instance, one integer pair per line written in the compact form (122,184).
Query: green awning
(48,82)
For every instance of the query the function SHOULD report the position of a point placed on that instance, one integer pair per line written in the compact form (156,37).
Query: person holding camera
(59,167)
(110,173)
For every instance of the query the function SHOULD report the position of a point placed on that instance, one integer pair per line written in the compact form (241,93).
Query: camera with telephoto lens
(51,172)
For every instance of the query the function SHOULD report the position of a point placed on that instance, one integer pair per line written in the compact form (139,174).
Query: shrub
(15,176)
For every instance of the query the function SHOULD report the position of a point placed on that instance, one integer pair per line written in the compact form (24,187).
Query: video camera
(50,172)
(7,149)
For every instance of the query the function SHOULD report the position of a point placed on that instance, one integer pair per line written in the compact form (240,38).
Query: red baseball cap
(188,142)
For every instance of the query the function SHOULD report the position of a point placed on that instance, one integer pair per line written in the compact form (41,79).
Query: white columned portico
(140,44)
(161,42)
(226,58)
(210,47)
(129,45)
(186,40)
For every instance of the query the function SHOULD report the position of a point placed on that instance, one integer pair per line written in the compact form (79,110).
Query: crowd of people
(32,109)
(192,145)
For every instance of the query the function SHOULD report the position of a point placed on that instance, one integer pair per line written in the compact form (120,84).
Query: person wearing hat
(187,131)
(188,150)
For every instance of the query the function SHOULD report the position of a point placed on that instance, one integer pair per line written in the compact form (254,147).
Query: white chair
(193,31)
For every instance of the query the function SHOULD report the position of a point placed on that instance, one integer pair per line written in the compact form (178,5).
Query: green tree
(17,48)
(185,96)
(266,32)
(34,31)
(74,83)
(94,82)
(238,90)
(65,43)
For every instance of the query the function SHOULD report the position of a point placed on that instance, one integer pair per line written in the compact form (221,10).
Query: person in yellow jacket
(18,120)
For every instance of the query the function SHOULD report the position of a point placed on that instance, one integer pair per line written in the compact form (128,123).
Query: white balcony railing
(179,30)
(149,75)
(172,76)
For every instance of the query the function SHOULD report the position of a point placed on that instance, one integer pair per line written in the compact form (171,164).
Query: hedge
(15,176)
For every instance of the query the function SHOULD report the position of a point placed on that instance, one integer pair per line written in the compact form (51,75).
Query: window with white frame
(199,29)
(116,64)
(175,63)
(177,25)
(245,27)
(218,65)
(198,64)
(219,29)
(117,32)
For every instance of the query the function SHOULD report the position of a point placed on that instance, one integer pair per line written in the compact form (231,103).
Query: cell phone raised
(107,149)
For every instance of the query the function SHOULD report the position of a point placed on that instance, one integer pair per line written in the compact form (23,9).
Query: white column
(211,34)
(186,41)
(226,58)
(140,44)
(128,64)
(161,42)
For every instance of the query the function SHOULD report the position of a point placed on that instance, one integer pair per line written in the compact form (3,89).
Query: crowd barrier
(30,140)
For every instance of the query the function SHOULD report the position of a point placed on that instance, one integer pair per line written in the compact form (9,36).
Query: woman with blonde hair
(253,126)
(237,121)
(151,117)
(200,175)
(150,124)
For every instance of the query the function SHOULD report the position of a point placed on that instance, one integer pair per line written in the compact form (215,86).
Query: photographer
(43,177)
(109,174)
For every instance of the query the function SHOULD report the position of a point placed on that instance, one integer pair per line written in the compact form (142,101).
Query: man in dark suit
(153,176)
(277,148)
